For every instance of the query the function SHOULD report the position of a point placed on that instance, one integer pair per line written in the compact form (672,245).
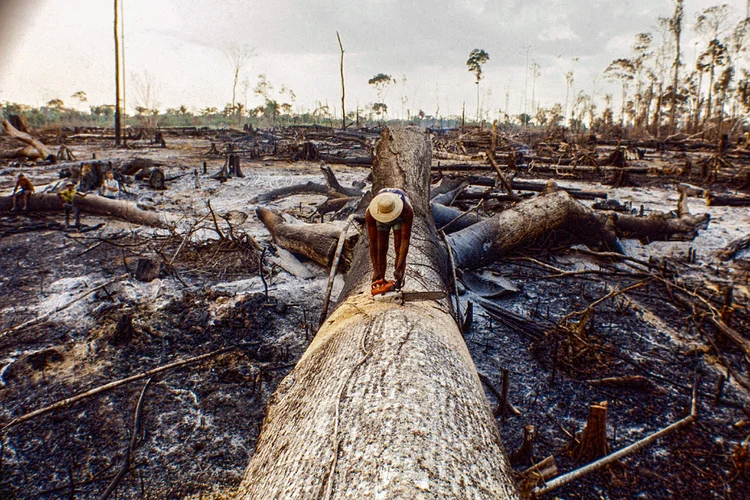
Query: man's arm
(407,218)
(372,235)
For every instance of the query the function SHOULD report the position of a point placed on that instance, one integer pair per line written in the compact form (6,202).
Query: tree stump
(157,179)
(234,165)
(124,331)
(594,438)
(147,270)
(525,454)
(20,122)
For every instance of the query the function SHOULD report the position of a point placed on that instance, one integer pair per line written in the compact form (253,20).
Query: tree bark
(92,204)
(386,402)
(524,224)
(315,241)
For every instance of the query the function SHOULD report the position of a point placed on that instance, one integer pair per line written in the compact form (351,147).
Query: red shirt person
(389,209)
(26,189)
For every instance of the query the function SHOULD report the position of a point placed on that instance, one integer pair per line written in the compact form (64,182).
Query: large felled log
(92,204)
(315,241)
(451,219)
(43,152)
(526,223)
(386,402)
(531,220)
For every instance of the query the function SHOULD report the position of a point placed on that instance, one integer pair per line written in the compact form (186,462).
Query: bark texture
(524,224)
(92,204)
(315,241)
(386,401)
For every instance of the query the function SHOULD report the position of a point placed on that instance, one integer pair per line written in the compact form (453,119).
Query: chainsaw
(400,296)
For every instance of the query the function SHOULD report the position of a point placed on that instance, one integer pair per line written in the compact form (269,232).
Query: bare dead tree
(118,117)
(676,29)
(237,55)
(343,89)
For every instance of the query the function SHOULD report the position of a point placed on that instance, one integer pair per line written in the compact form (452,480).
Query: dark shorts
(387,226)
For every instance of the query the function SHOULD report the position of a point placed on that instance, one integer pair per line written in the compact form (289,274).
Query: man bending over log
(389,209)
(26,189)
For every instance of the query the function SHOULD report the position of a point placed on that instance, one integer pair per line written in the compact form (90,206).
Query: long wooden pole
(117,75)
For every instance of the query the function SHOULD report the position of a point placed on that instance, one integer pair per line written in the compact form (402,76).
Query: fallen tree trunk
(531,220)
(309,187)
(92,204)
(386,401)
(336,186)
(43,152)
(526,223)
(315,241)
(576,193)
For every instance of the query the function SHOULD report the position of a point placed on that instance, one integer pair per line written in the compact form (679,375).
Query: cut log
(44,153)
(333,205)
(734,247)
(715,200)
(136,165)
(92,204)
(315,241)
(526,223)
(386,401)
(156,179)
(309,187)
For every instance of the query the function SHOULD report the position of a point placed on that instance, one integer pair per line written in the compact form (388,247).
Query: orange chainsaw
(382,286)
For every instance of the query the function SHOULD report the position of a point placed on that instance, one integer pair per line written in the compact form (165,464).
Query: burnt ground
(199,422)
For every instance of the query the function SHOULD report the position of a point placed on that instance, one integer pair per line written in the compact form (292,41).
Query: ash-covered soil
(199,422)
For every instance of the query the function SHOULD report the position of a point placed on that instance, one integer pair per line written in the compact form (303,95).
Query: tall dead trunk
(676,28)
(343,87)
(118,114)
(386,401)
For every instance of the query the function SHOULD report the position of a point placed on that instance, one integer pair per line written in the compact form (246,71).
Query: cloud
(556,33)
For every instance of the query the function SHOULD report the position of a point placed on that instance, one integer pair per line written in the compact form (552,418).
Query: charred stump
(593,443)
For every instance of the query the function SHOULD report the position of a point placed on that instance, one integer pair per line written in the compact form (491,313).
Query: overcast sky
(54,48)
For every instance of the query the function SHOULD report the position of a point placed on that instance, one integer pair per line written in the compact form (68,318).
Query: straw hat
(386,207)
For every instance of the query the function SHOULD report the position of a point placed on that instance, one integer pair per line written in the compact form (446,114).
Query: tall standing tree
(477,58)
(675,26)
(381,82)
(237,55)
(623,70)
(80,96)
(711,22)
(714,56)
(641,54)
